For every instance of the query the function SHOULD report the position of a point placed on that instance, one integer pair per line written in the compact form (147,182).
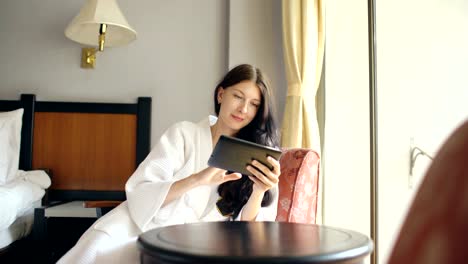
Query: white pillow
(10,140)
(38,177)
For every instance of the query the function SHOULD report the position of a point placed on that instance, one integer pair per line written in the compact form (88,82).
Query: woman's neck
(219,129)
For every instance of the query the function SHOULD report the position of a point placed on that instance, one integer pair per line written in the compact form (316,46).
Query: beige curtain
(303,42)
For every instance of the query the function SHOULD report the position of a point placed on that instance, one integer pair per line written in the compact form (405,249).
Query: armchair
(298,186)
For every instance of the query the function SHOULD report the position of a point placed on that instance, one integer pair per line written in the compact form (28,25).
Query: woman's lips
(239,119)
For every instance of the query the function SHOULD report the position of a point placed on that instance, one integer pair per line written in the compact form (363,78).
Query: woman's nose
(243,107)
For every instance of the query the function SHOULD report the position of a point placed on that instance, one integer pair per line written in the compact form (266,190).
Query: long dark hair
(262,130)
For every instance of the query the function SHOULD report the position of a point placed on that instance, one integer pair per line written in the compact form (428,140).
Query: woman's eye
(255,105)
(237,96)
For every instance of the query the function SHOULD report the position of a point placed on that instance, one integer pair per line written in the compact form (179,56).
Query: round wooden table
(252,242)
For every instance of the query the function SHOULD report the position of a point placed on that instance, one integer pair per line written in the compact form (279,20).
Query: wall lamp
(99,23)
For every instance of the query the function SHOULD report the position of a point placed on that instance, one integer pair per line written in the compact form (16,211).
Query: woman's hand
(207,176)
(264,178)
(212,175)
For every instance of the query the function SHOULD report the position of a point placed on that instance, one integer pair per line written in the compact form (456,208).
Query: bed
(89,150)
(18,198)
(21,189)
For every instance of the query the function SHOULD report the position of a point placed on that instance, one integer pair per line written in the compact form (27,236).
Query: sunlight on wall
(422,57)
(346,147)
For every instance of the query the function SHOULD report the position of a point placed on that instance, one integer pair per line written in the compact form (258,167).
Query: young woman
(173,185)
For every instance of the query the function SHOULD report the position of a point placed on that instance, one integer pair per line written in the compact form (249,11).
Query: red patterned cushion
(298,185)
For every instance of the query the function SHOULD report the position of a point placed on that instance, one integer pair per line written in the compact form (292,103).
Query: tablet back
(235,154)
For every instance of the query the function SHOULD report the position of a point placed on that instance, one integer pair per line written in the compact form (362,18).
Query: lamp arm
(88,55)
(102,36)
(91,54)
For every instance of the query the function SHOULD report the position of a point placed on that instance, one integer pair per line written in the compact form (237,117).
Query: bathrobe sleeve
(147,188)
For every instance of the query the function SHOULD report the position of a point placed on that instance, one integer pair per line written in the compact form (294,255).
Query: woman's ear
(220,94)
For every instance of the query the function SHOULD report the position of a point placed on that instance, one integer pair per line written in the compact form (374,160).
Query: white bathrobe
(182,150)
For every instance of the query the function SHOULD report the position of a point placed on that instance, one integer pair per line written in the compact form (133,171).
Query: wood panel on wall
(85,151)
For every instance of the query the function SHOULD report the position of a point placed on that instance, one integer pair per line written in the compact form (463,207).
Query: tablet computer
(233,154)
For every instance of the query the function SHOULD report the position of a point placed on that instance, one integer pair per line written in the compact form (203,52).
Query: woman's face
(239,105)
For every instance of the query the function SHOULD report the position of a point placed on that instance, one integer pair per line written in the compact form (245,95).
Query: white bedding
(21,227)
(17,196)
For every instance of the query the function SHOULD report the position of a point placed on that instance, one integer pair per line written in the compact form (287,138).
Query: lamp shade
(84,28)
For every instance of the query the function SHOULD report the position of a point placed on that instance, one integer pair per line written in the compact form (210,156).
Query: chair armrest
(298,186)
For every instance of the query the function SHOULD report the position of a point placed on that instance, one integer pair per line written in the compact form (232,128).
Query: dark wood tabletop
(253,242)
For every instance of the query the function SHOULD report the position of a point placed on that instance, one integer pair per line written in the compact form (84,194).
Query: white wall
(177,58)
(255,36)
(180,54)
(422,59)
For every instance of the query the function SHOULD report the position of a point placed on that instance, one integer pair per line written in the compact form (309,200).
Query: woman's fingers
(212,175)
(257,182)
(260,176)
(276,165)
(232,176)
(271,175)
(215,170)
(263,177)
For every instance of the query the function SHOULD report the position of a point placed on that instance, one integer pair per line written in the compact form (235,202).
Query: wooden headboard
(90,148)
